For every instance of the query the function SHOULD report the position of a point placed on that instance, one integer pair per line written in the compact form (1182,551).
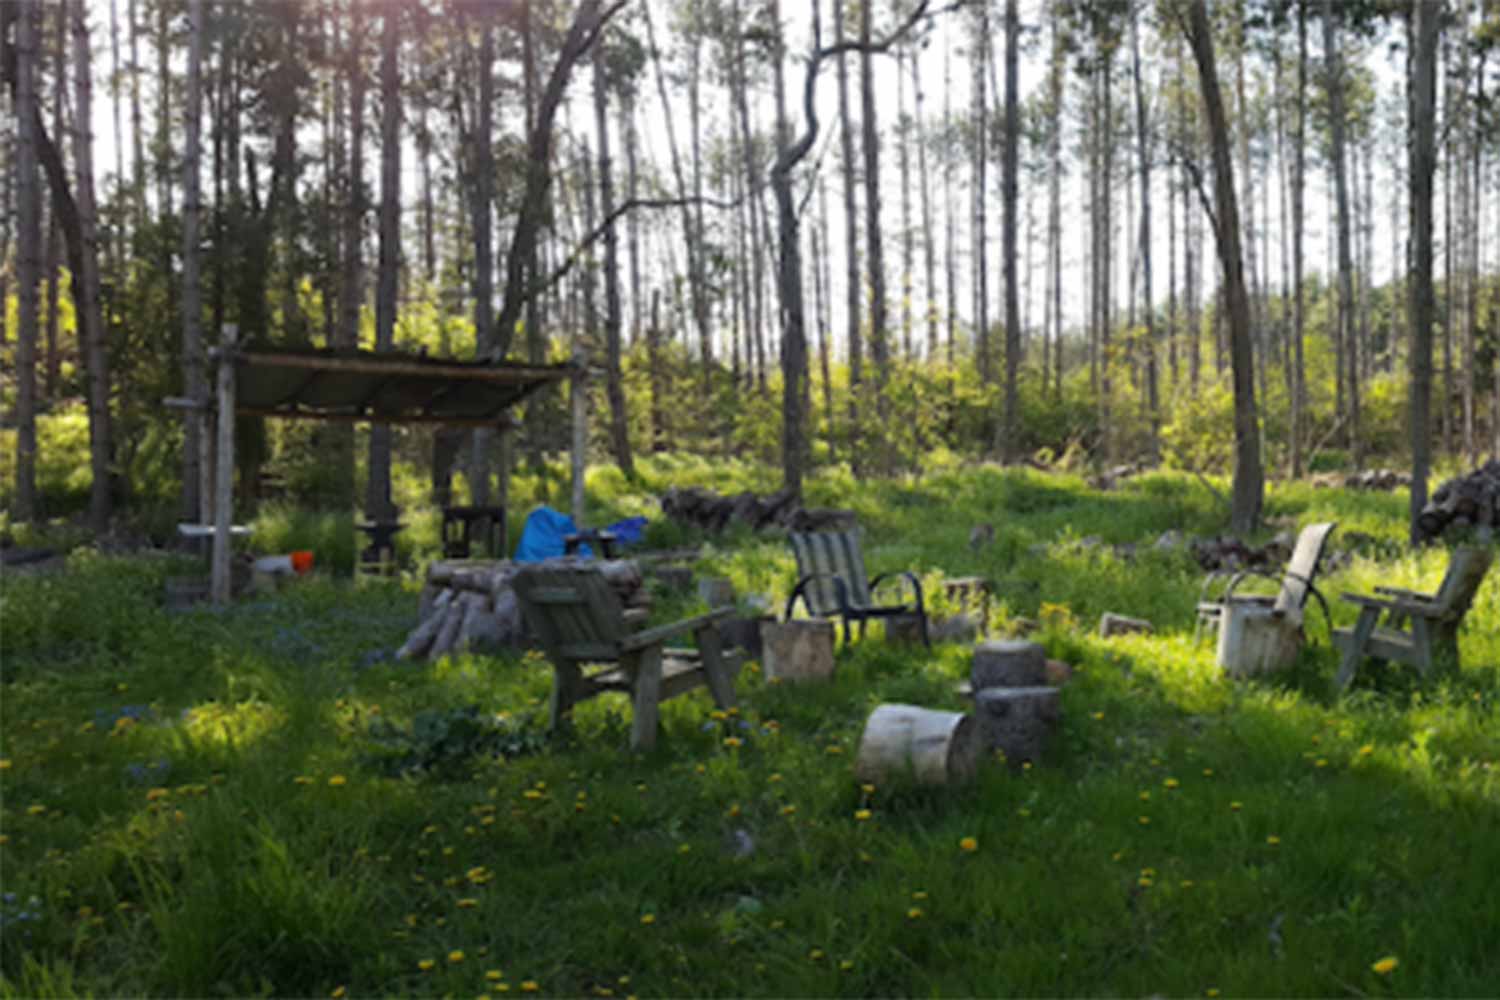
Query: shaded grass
(189,796)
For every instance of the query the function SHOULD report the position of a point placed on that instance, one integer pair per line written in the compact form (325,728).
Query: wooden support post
(224,478)
(580,404)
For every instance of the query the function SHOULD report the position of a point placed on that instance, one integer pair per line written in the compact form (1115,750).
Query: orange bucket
(302,561)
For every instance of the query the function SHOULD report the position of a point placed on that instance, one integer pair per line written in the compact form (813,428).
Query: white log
(421,637)
(935,747)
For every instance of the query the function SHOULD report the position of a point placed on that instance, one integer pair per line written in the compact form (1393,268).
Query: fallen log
(469,604)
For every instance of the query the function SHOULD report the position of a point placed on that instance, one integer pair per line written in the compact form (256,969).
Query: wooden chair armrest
(1419,609)
(661,633)
(1411,595)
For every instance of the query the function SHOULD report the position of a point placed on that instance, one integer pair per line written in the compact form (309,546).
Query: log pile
(469,604)
(710,512)
(1225,552)
(1464,502)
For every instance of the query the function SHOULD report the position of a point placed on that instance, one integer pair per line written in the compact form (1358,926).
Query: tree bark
(1010,449)
(28,250)
(1143,141)
(1299,318)
(195,379)
(378,504)
(1349,367)
(929,234)
(1249,478)
(482,210)
(854,335)
(614,386)
(1423,28)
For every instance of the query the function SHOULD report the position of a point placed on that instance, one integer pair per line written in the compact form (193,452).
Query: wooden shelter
(353,385)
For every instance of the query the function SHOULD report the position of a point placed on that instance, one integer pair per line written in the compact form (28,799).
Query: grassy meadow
(260,801)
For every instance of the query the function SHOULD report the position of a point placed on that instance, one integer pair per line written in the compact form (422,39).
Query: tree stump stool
(1008,663)
(1019,722)
(936,748)
(797,650)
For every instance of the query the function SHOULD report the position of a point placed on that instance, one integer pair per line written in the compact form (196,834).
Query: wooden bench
(579,621)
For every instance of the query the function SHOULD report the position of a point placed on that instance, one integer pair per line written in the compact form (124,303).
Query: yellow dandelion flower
(1186,883)
(733,810)
(1208,772)
(968,845)
(684,848)
(774,778)
(718,715)
(788,810)
(845,965)
(302,779)
(648,919)
(1235,806)
(862,814)
(338,993)
(467,903)
(1145,882)
(426,964)
(1367,749)
(4,763)
(815,955)
(36,809)
(1212,991)
(494,975)
(919,894)
(1144,820)
(1273,840)
(1023,812)
(455,956)
(531,793)
(732,741)
(867,788)
(1385,966)
(1171,783)
(835,750)
(529,986)
(338,780)
(915,913)
(1145,796)
(1098,716)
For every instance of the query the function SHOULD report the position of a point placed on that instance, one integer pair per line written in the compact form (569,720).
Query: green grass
(196,802)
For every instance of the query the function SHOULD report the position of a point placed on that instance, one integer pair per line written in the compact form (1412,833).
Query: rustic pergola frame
(354,386)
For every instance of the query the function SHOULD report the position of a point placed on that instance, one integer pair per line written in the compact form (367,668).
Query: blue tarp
(542,537)
(546,530)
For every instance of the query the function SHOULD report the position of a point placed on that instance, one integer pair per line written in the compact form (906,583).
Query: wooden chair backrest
(826,554)
(1466,570)
(1296,583)
(572,611)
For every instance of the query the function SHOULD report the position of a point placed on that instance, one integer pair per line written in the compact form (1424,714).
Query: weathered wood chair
(832,582)
(579,620)
(1296,583)
(1418,629)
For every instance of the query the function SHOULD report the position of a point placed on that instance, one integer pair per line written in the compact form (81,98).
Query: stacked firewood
(710,512)
(1471,501)
(470,604)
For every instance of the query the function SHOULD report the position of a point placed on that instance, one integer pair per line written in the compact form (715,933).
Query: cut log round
(1008,663)
(935,747)
(797,650)
(1111,624)
(1018,721)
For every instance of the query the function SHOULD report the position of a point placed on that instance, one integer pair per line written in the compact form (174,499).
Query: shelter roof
(383,387)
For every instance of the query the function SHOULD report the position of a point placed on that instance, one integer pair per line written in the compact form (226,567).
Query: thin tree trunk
(1249,480)
(87,298)
(614,386)
(195,378)
(908,242)
(1054,194)
(1424,26)
(28,249)
(1299,179)
(482,212)
(1350,365)
(378,505)
(929,235)
(980,152)
(821,288)
(1153,401)
(855,345)
(1010,436)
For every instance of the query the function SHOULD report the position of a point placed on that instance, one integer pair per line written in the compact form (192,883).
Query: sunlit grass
(195,802)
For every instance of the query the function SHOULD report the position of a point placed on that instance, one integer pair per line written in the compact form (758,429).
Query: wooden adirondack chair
(1418,629)
(832,582)
(1296,583)
(579,621)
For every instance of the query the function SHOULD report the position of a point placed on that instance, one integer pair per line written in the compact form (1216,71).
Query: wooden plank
(501,421)
(511,374)
(219,576)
